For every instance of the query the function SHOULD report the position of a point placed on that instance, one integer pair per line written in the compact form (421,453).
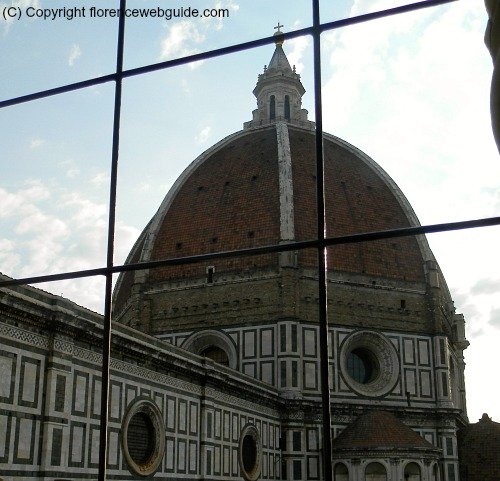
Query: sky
(412,91)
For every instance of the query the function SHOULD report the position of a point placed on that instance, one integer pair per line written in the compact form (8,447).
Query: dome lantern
(279,91)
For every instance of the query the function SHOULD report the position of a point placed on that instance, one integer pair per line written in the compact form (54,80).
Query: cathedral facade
(215,364)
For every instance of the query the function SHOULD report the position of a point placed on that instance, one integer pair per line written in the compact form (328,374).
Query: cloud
(36,143)
(218,22)
(473,313)
(184,38)
(74,54)
(364,57)
(125,238)
(72,173)
(41,236)
(89,292)
(44,226)
(20,203)
(70,168)
(495,317)
(65,235)
(410,105)
(9,259)
(475,334)
(101,178)
(298,46)
(86,292)
(458,296)
(46,245)
(180,39)
(34,190)
(486,286)
(367,64)
(86,213)
(203,135)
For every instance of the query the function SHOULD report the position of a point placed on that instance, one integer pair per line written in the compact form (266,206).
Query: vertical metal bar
(322,251)
(106,342)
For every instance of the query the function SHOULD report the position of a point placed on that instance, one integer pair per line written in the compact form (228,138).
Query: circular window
(140,438)
(362,365)
(143,437)
(250,453)
(369,363)
(217,355)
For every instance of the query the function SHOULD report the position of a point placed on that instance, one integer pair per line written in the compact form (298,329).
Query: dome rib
(398,193)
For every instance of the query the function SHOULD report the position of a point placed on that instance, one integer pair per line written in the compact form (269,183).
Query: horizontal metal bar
(222,51)
(284,36)
(269,249)
(58,90)
(382,14)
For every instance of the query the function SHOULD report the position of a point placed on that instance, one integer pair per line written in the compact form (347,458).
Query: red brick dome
(238,194)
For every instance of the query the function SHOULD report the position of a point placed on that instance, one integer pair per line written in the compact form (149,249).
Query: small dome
(379,430)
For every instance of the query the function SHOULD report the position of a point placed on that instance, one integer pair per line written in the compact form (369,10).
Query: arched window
(216,354)
(455,395)
(340,473)
(272,107)
(412,472)
(287,107)
(375,472)
(213,344)
(435,472)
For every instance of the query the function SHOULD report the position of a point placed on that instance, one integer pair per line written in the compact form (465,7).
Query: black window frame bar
(321,243)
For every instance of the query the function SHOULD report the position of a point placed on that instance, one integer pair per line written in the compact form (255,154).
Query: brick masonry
(232,200)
